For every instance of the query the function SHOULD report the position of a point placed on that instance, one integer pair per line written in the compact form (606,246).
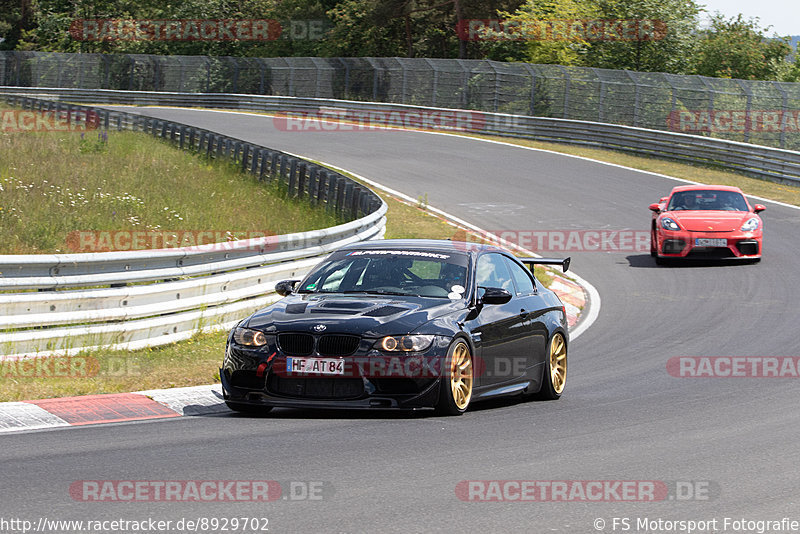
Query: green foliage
(670,51)
(529,19)
(738,48)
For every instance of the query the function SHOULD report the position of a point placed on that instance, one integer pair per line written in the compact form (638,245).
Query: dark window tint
(522,280)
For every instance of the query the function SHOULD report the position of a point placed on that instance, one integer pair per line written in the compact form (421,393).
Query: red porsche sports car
(711,221)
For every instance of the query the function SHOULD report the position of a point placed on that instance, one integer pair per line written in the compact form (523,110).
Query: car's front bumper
(372,381)
(684,244)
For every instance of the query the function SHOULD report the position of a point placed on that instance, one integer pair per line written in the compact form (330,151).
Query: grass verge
(128,181)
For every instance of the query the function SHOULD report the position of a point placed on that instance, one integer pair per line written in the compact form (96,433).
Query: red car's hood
(710,221)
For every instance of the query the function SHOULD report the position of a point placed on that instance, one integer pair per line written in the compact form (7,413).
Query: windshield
(707,200)
(391,272)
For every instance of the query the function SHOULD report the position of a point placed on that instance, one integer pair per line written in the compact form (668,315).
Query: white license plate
(322,366)
(706,242)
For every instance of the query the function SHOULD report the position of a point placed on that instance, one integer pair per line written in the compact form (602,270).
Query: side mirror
(285,287)
(759,208)
(656,207)
(495,295)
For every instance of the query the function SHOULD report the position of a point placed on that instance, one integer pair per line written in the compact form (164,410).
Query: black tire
(455,389)
(247,408)
(555,369)
(660,260)
(653,252)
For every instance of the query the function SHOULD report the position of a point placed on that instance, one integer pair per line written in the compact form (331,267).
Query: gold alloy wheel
(558,363)
(461,375)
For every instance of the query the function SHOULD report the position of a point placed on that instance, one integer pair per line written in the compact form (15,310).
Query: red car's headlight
(669,224)
(751,225)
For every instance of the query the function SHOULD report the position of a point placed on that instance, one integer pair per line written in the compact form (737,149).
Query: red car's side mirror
(655,207)
(758,208)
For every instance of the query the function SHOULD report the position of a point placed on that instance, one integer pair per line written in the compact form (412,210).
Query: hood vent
(384,311)
(296,308)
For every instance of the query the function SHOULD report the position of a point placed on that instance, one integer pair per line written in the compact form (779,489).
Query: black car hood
(366,315)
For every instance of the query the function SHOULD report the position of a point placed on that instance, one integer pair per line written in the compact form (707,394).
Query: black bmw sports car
(402,324)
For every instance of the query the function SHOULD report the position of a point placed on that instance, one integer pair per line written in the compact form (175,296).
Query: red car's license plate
(707,242)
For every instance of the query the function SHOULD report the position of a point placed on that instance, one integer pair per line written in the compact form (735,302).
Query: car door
(502,329)
(531,303)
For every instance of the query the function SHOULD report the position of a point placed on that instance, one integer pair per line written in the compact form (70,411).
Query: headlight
(751,225)
(250,338)
(669,224)
(414,343)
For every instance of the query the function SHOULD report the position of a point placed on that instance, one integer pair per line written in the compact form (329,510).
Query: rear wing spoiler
(564,263)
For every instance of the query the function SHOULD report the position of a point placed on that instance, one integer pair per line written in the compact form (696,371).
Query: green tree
(669,48)
(738,48)
(536,23)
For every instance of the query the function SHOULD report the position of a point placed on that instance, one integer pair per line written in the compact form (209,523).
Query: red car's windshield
(707,200)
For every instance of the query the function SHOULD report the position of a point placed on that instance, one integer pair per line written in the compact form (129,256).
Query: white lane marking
(26,416)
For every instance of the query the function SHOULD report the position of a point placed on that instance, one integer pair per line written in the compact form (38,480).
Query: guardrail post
(273,166)
(245,155)
(322,179)
(355,199)
(301,179)
(256,158)
(333,183)
(313,183)
(343,200)
(292,178)
(262,172)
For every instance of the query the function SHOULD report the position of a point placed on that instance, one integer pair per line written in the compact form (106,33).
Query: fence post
(784,112)
(748,109)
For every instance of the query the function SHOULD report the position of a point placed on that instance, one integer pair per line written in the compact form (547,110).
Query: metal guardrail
(177,292)
(758,161)
(654,100)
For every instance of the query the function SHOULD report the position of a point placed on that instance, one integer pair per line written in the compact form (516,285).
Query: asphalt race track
(622,417)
